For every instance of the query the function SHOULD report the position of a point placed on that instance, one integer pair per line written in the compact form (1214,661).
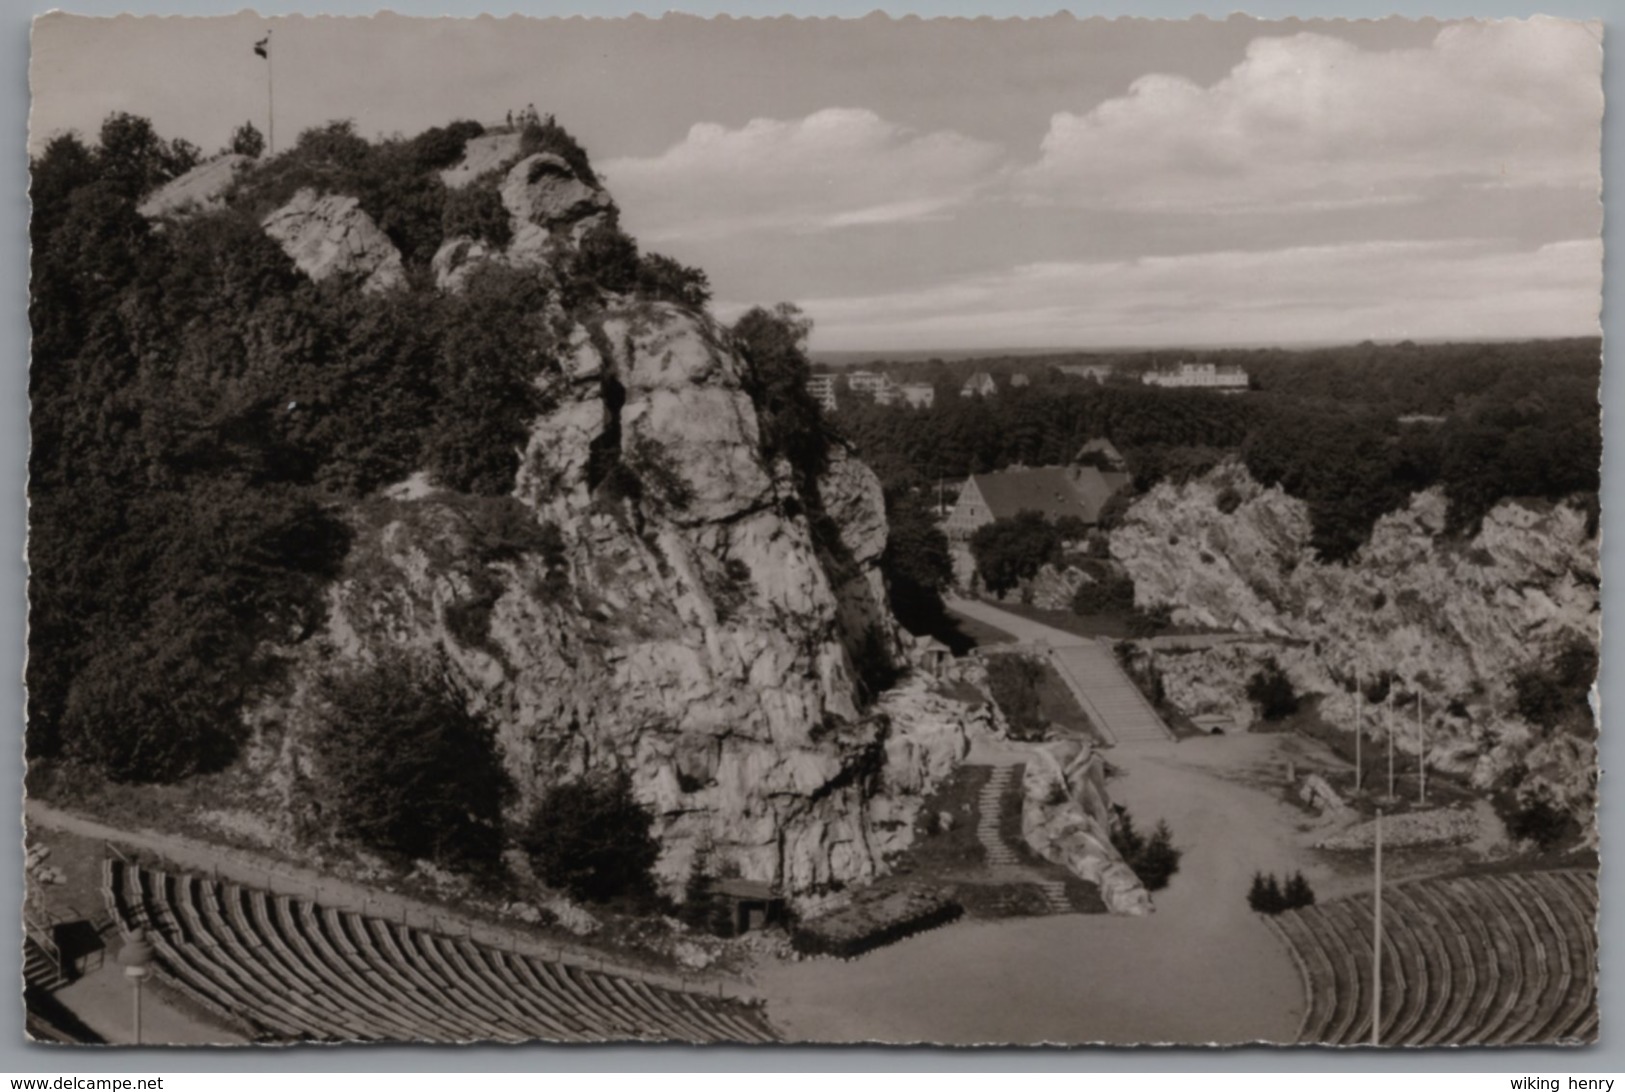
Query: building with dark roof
(1054,492)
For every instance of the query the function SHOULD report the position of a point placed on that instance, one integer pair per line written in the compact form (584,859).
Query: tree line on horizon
(1497,421)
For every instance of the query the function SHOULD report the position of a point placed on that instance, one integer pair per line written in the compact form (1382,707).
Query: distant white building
(1202,375)
(979,385)
(1019,379)
(918,395)
(880,389)
(1097,373)
(822,388)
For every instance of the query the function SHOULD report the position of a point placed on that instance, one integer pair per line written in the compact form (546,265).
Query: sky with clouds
(940,184)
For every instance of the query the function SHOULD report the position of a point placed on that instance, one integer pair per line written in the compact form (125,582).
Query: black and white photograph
(769,531)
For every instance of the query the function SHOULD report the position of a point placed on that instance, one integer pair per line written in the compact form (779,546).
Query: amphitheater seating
(1499,960)
(290,969)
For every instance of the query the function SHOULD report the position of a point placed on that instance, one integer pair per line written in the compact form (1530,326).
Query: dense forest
(203,414)
(1351,431)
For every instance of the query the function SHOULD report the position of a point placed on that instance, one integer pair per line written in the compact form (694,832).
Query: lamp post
(1359,730)
(1376,938)
(137,959)
(1388,722)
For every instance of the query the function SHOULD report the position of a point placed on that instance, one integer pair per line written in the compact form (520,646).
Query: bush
(1013,681)
(1111,594)
(476,211)
(662,278)
(1228,500)
(1267,896)
(1008,551)
(1536,817)
(1297,893)
(701,909)
(547,135)
(1272,692)
(592,839)
(407,768)
(246,140)
(1150,622)
(1153,860)
(876,917)
(608,259)
(1557,693)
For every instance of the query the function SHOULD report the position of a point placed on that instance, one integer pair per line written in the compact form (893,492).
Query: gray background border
(19,1056)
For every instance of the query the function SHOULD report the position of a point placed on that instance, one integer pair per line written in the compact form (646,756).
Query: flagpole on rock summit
(262,48)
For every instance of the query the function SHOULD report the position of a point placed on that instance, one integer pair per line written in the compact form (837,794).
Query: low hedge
(873,920)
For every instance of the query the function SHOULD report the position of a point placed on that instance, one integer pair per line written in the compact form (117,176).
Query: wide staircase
(1112,700)
(1492,960)
(291,969)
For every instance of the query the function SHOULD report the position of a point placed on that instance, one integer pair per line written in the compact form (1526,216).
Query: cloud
(837,168)
(1381,290)
(1313,122)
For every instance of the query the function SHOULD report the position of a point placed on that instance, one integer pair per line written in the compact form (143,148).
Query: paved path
(1202,969)
(1090,670)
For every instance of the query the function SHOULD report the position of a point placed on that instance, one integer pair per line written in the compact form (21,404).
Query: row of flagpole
(1359,739)
(1376,863)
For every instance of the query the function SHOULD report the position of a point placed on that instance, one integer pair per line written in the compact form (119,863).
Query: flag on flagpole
(262,48)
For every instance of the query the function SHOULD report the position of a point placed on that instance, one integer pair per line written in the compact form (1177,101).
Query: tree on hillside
(662,278)
(773,345)
(917,564)
(1008,551)
(134,159)
(247,140)
(593,838)
(406,766)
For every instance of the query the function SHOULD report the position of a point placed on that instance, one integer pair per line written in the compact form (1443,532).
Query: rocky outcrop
(693,633)
(1066,818)
(545,191)
(331,236)
(200,189)
(550,208)
(481,155)
(1455,620)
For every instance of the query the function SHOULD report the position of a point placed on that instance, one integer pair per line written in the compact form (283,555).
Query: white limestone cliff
(1459,619)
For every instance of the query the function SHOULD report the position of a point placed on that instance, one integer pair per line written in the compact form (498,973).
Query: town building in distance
(918,395)
(1097,373)
(980,385)
(1204,375)
(1056,492)
(822,388)
(875,387)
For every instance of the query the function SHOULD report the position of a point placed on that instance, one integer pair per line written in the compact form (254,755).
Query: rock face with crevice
(1458,619)
(701,635)
(550,207)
